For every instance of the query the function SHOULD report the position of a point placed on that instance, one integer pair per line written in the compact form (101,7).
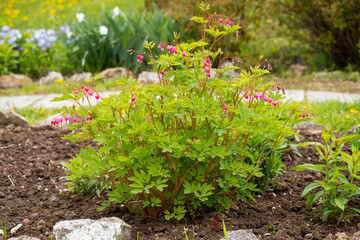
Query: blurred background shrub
(323,35)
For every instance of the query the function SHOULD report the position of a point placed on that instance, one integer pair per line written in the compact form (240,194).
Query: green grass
(24,14)
(35,88)
(334,114)
(34,115)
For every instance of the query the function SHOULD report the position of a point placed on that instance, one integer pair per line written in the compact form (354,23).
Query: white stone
(87,229)
(80,76)
(240,234)
(11,117)
(51,77)
(15,229)
(148,77)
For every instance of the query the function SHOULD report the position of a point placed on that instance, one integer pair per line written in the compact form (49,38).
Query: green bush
(194,142)
(96,51)
(333,26)
(8,59)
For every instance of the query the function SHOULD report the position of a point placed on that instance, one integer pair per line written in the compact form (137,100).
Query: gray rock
(80,76)
(240,234)
(336,75)
(51,77)
(297,69)
(14,81)
(232,73)
(11,117)
(353,129)
(24,237)
(320,75)
(87,229)
(308,127)
(148,77)
(116,73)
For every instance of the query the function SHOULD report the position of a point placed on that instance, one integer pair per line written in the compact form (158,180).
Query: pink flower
(82,87)
(86,89)
(265,98)
(67,118)
(163,73)
(184,54)
(74,119)
(61,119)
(208,74)
(91,93)
(169,48)
(133,100)
(174,49)
(228,22)
(206,69)
(207,62)
(88,118)
(97,97)
(246,96)
(140,58)
(270,99)
(221,20)
(225,109)
(303,115)
(76,92)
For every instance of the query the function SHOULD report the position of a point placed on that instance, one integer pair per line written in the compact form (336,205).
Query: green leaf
(352,187)
(317,168)
(310,187)
(340,203)
(355,210)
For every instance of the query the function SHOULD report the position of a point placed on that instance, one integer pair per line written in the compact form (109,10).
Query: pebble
(26,221)
(41,222)
(34,215)
(15,229)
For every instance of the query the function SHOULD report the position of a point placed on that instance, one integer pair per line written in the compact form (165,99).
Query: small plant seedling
(336,188)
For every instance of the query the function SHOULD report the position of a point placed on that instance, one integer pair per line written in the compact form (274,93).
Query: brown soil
(33,193)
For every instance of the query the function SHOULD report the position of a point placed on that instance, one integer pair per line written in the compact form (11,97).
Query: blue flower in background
(11,35)
(5,28)
(65,28)
(43,37)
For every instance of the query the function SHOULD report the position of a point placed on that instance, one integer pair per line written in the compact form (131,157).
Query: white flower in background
(80,17)
(115,12)
(103,30)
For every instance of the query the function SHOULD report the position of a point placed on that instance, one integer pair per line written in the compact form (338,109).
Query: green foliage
(3,229)
(36,62)
(191,143)
(336,115)
(8,59)
(336,188)
(333,26)
(95,52)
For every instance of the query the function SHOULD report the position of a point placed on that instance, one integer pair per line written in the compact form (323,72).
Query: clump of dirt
(33,192)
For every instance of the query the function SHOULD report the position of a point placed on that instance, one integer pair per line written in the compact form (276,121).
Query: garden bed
(33,193)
